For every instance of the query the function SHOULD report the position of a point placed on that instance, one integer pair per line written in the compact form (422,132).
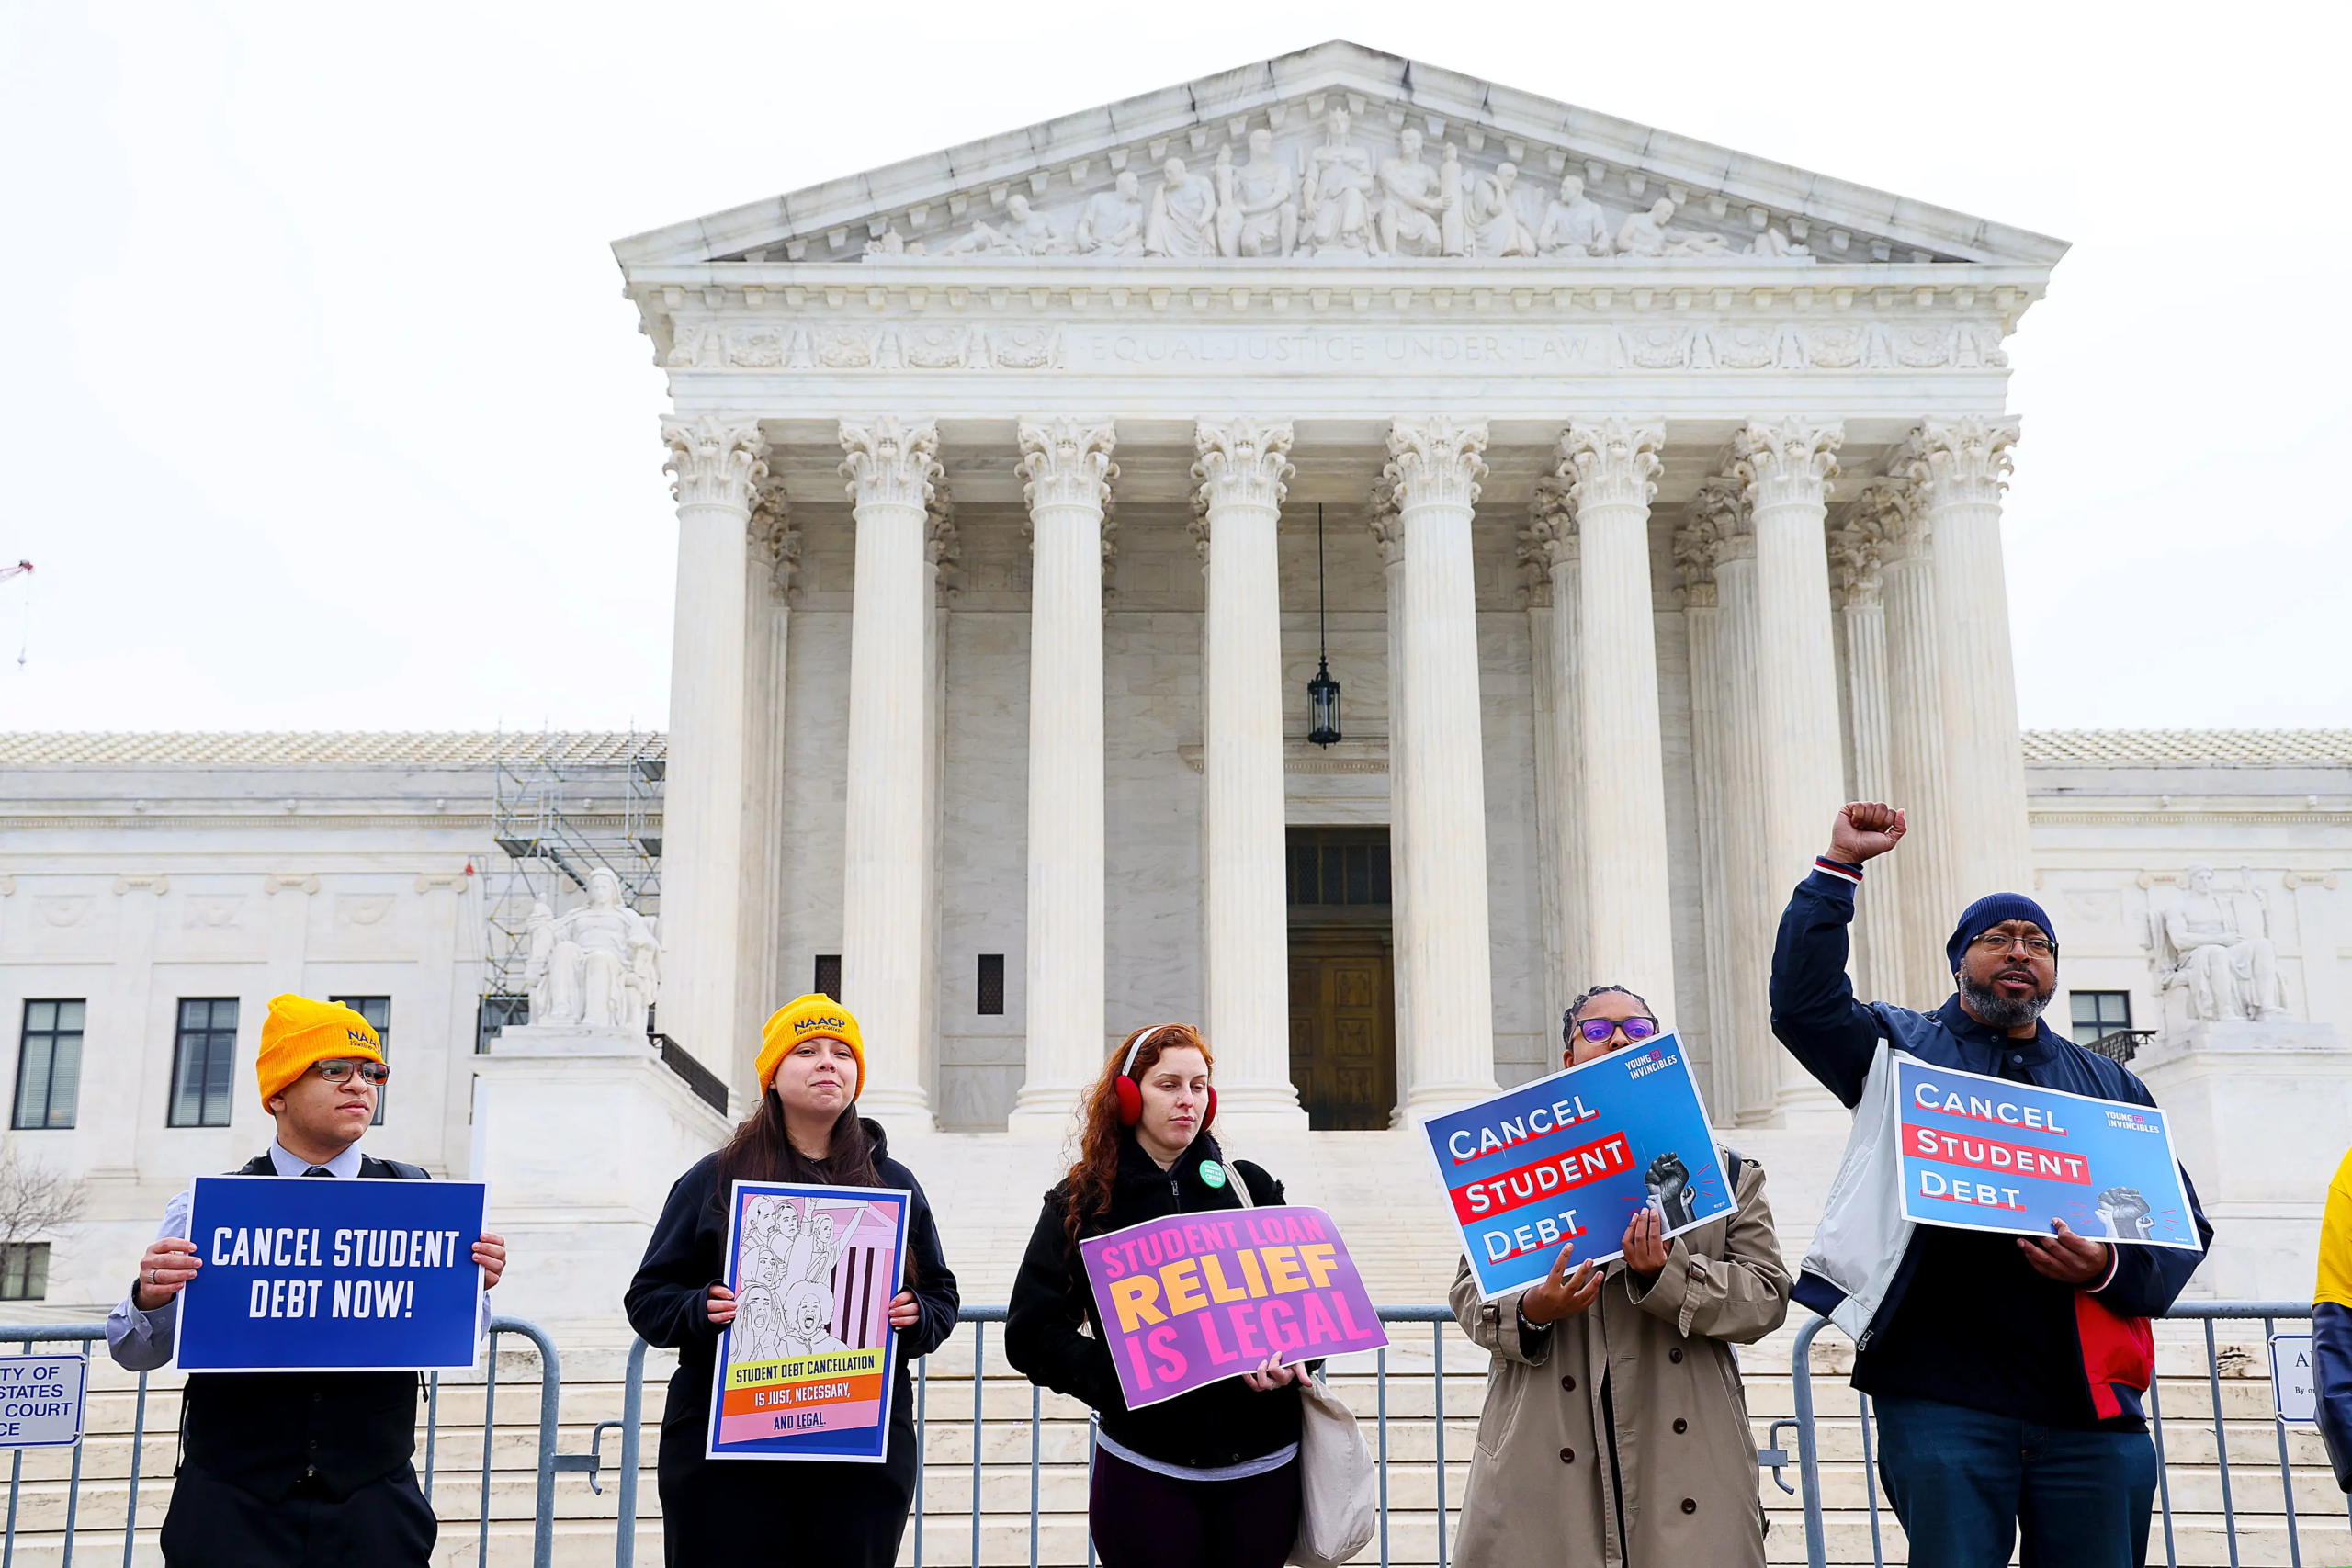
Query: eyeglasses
(336,1069)
(1599,1030)
(2035,946)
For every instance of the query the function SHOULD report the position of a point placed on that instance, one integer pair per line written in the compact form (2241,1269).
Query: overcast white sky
(321,407)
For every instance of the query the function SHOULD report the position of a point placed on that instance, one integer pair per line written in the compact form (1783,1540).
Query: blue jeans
(1963,1481)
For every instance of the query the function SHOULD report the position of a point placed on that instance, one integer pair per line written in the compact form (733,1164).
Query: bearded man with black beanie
(2006,1371)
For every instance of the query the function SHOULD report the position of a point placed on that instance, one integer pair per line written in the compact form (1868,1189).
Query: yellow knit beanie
(299,1033)
(814,1016)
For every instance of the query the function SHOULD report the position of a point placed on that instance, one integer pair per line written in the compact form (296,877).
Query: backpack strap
(1733,1160)
(375,1169)
(260,1165)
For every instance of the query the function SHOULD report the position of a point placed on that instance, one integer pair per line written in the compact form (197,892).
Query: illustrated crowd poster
(1572,1157)
(1985,1154)
(1191,1299)
(805,1370)
(332,1276)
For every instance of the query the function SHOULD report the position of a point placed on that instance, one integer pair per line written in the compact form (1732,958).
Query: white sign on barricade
(2294,1383)
(40,1400)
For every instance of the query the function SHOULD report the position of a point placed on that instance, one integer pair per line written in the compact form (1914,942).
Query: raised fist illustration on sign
(2126,1214)
(1668,1180)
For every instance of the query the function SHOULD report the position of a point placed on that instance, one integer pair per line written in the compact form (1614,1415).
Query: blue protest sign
(316,1275)
(1572,1156)
(1984,1154)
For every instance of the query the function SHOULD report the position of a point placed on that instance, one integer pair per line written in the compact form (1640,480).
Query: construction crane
(21,569)
(18,570)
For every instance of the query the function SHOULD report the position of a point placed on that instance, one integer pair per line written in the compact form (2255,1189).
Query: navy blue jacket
(1968,1321)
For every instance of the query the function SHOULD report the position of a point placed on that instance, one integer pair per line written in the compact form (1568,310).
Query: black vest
(264,1432)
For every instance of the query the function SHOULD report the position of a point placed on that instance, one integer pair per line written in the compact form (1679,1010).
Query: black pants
(385,1524)
(748,1511)
(1144,1519)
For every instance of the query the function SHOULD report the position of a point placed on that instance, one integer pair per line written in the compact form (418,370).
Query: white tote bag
(1337,1506)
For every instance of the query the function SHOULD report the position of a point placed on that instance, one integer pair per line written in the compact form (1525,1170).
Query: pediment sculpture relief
(1330,197)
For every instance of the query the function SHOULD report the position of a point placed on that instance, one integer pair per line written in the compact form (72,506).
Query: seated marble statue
(1496,227)
(597,964)
(1573,225)
(1025,233)
(1414,211)
(1773,243)
(1111,224)
(1645,234)
(2213,944)
(1336,193)
(1184,214)
(1257,213)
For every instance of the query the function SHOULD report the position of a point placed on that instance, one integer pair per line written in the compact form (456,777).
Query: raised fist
(1864,829)
(2126,1214)
(1668,1180)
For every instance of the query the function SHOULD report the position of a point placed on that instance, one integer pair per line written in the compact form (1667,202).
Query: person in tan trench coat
(1616,1433)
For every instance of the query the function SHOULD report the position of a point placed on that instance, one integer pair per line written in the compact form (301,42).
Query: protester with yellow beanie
(293,1470)
(806,1129)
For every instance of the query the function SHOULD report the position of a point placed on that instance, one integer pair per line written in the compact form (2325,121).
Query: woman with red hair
(1210,1477)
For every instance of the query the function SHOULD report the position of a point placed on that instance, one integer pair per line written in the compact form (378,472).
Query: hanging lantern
(1323,705)
(1322,693)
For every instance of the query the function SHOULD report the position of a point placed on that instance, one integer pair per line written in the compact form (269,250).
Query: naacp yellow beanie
(299,1033)
(812,1017)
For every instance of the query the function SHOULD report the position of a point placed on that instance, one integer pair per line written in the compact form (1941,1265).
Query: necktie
(318,1170)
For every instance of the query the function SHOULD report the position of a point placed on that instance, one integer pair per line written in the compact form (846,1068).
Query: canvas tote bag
(1337,1509)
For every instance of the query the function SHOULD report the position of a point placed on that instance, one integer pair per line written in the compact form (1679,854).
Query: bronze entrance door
(1342,986)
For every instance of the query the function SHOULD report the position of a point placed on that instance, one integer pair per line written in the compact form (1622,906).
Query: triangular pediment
(1317,137)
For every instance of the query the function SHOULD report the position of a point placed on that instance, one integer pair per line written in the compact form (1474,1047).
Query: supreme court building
(1646,496)
(1641,498)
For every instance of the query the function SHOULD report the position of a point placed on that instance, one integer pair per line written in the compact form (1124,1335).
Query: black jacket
(667,1302)
(266,1431)
(1967,1321)
(1222,1424)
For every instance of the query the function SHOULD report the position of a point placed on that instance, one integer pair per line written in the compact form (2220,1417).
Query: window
(378,1012)
(2098,1014)
(204,1061)
(24,1271)
(991,984)
(492,1017)
(48,1063)
(829,974)
(1339,867)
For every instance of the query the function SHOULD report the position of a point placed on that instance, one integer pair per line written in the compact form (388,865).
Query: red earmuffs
(1130,1092)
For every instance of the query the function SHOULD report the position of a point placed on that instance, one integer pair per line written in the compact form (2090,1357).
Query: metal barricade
(87,1337)
(2209,1312)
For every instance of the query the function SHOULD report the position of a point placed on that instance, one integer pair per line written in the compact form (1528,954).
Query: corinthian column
(1922,881)
(1388,529)
(1612,469)
(1242,468)
(891,469)
(1715,553)
(715,462)
(1960,472)
(1787,468)
(1067,465)
(1435,465)
(1856,553)
(1550,544)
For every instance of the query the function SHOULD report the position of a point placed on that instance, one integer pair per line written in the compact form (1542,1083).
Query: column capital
(715,460)
(1066,462)
(774,538)
(1549,540)
(1387,524)
(1961,463)
(1242,463)
(944,544)
(1866,537)
(1695,556)
(890,461)
(1613,462)
(1720,521)
(1434,461)
(1787,462)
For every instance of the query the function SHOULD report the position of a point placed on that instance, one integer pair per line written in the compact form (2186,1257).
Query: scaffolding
(567,805)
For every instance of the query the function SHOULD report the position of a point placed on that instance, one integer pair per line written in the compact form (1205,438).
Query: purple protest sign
(1194,1298)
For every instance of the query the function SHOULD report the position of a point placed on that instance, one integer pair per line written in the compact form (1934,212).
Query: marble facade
(1661,494)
